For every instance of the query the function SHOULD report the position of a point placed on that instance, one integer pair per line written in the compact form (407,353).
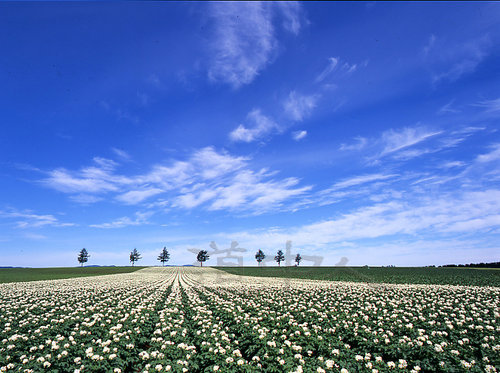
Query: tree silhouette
(260,256)
(203,256)
(83,257)
(134,256)
(298,258)
(279,257)
(164,256)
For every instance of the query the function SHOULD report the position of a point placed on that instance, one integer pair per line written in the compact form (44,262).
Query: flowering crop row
(204,320)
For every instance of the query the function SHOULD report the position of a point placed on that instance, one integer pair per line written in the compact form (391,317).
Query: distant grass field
(393,275)
(36,274)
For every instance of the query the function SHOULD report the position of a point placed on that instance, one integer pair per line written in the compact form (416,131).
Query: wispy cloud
(244,40)
(245,190)
(395,140)
(291,12)
(299,135)
(361,179)
(449,61)
(141,218)
(339,68)
(490,106)
(261,126)
(332,64)
(360,143)
(430,218)
(298,106)
(493,155)
(134,197)
(448,108)
(28,219)
(407,143)
(452,164)
(35,236)
(121,153)
(207,179)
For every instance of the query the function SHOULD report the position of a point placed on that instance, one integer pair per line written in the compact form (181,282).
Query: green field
(36,274)
(393,275)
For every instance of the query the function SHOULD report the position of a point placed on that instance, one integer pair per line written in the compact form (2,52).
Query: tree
(298,258)
(279,257)
(259,256)
(83,257)
(134,256)
(203,256)
(164,256)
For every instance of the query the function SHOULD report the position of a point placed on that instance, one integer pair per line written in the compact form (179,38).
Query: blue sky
(357,130)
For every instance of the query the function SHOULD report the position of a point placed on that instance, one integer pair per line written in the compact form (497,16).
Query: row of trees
(280,257)
(83,257)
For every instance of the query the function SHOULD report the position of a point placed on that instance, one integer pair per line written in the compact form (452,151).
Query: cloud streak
(244,41)
(207,179)
(140,219)
(260,126)
(298,106)
(450,61)
(28,219)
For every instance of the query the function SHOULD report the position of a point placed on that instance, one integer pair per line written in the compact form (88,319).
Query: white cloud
(452,164)
(250,190)
(93,179)
(35,236)
(361,179)
(290,11)
(360,143)
(244,41)
(299,135)
(244,190)
(261,126)
(494,155)
(105,164)
(348,68)
(395,140)
(134,197)
(63,181)
(211,179)
(340,68)
(213,164)
(491,106)
(141,218)
(332,64)
(430,45)
(168,177)
(428,217)
(449,61)
(448,108)
(121,153)
(28,219)
(193,199)
(298,106)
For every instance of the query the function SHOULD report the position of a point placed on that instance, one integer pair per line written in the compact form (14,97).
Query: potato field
(205,320)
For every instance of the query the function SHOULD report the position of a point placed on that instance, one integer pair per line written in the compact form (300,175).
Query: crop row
(204,320)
